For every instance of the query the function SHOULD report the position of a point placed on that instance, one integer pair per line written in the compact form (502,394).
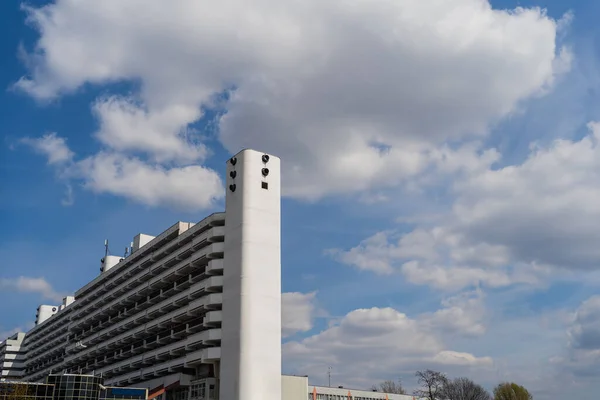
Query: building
(68,387)
(14,390)
(185,310)
(192,313)
(12,358)
(298,388)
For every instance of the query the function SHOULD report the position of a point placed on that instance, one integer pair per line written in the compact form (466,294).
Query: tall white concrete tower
(251,328)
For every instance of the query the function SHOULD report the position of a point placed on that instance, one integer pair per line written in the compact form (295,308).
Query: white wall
(294,387)
(44,312)
(108,262)
(251,344)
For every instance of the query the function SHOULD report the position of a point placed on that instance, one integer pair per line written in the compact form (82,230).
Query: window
(265,185)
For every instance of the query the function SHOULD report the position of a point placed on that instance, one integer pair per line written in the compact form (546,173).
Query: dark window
(265,185)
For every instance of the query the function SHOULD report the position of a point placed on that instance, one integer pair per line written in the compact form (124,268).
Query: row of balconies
(190,360)
(12,357)
(16,373)
(41,374)
(213,284)
(160,348)
(126,337)
(137,344)
(12,349)
(138,289)
(48,345)
(97,286)
(164,244)
(205,339)
(158,311)
(40,370)
(53,356)
(160,268)
(49,329)
(202,305)
(109,355)
(11,365)
(138,301)
(170,301)
(49,354)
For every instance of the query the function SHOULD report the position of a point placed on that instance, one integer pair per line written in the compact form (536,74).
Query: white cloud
(438,258)
(368,344)
(298,311)
(351,95)
(190,187)
(543,210)
(579,363)
(32,285)
(522,223)
(462,314)
(125,126)
(52,146)
(584,334)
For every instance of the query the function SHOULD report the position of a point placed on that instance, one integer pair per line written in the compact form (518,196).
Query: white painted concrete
(12,357)
(140,241)
(44,312)
(294,387)
(251,345)
(107,262)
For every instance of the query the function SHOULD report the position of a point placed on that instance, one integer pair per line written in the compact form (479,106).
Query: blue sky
(441,168)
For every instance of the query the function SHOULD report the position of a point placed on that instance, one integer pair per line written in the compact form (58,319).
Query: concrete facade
(193,313)
(157,316)
(251,351)
(12,358)
(298,388)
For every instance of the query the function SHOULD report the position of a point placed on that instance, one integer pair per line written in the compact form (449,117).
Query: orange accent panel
(314,393)
(156,394)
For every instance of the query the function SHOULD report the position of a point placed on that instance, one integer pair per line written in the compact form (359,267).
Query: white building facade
(158,317)
(298,388)
(193,313)
(12,358)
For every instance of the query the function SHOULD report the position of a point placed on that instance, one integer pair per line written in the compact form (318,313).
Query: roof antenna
(105,247)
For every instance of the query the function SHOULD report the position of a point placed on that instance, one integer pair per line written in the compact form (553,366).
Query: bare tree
(390,387)
(511,391)
(432,384)
(464,389)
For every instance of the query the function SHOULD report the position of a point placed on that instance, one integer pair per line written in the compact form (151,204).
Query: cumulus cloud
(126,126)
(52,146)
(580,360)
(344,92)
(38,286)
(368,344)
(190,187)
(463,314)
(298,311)
(518,224)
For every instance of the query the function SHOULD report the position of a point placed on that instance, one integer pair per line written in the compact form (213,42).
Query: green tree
(511,391)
